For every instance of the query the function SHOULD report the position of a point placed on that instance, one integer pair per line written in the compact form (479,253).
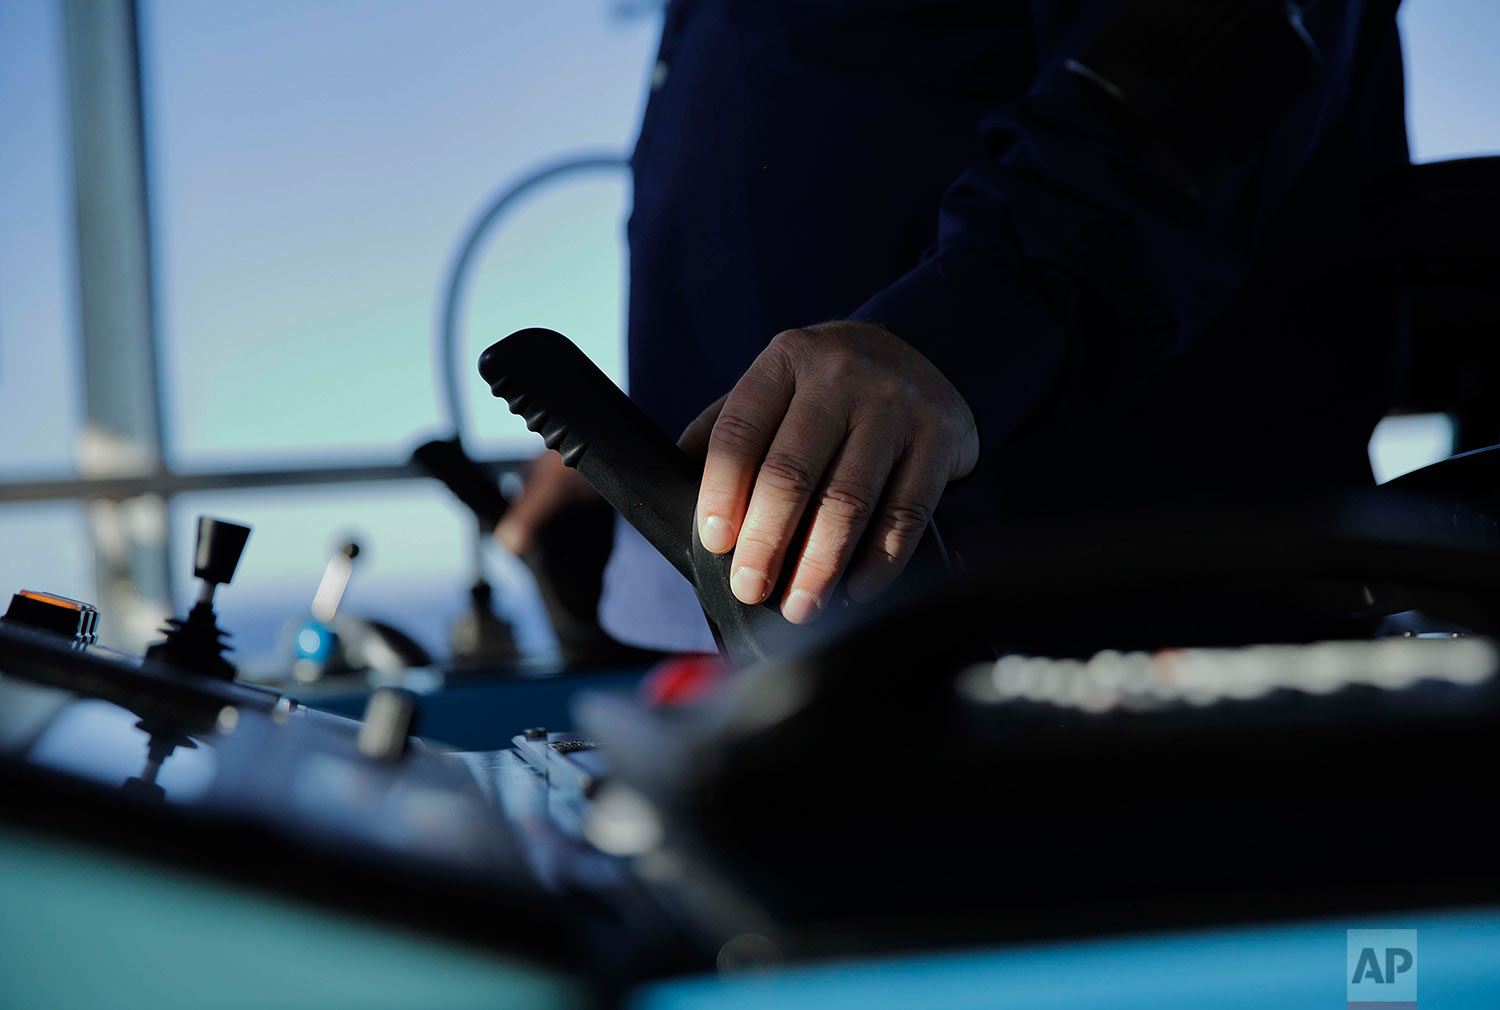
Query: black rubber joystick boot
(197,644)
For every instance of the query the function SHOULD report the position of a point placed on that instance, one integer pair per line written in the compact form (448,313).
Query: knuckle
(789,473)
(756,545)
(905,521)
(737,435)
(848,502)
(715,499)
(816,573)
(891,389)
(840,367)
(789,342)
(908,516)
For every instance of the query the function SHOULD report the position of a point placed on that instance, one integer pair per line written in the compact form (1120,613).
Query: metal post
(123,429)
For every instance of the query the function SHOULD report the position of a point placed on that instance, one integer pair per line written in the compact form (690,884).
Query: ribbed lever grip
(578,411)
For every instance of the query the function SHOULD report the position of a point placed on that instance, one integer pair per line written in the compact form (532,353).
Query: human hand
(846,418)
(550,486)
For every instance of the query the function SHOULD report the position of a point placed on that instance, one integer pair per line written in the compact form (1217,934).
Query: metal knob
(390,718)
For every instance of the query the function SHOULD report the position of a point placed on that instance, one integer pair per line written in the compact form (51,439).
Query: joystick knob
(196,644)
(220,545)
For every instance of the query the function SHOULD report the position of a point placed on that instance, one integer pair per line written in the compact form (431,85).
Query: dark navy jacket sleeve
(1058,213)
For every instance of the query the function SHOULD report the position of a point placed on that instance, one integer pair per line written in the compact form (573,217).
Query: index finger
(694,438)
(750,418)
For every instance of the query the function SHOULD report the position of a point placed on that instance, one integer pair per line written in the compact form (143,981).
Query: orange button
(56,601)
(58,614)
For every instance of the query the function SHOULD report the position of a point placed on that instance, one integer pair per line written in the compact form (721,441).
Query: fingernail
(717,535)
(749,586)
(800,606)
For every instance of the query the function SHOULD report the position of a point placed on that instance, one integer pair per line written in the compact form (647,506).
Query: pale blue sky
(311,165)
(315,165)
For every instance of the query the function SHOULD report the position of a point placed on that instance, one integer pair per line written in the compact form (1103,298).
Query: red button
(682,680)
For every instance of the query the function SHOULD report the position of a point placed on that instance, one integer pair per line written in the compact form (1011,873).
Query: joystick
(197,643)
(330,641)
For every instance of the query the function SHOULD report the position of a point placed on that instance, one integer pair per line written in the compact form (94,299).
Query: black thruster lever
(634,465)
